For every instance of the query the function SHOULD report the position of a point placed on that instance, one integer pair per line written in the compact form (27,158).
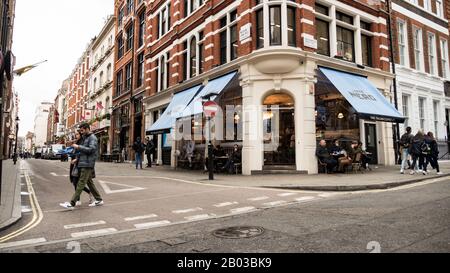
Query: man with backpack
(138,148)
(417,152)
(149,150)
(405,143)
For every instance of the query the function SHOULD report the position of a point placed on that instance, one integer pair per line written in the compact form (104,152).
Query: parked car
(38,153)
(45,151)
(56,152)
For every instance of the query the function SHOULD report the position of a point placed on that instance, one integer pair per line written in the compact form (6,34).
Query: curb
(16,213)
(338,188)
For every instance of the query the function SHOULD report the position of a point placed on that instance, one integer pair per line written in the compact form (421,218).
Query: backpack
(425,148)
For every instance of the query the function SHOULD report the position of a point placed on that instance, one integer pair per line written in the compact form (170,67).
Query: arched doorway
(279,130)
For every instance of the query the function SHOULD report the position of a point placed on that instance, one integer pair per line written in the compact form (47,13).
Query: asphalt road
(157,212)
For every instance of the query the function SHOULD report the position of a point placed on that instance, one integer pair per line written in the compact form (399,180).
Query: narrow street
(155,211)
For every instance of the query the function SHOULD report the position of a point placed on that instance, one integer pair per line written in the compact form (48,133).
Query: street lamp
(206,99)
(15,146)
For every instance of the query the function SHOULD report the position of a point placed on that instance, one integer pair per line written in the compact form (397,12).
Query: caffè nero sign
(362,95)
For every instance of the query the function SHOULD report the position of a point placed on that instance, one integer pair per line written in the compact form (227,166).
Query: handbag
(75,172)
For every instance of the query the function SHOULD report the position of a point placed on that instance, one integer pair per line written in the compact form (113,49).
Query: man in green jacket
(86,164)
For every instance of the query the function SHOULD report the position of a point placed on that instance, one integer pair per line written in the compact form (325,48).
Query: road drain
(238,232)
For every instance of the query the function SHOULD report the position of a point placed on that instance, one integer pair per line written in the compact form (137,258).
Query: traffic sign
(210,109)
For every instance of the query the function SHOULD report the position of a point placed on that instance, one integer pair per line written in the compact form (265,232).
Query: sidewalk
(10,208)
(381,177)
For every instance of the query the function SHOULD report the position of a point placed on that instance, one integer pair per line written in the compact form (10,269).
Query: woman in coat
(434,154)
(416,151)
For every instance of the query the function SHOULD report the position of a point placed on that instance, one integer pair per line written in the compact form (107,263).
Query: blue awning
(173,111)
(363,96)
(214,86)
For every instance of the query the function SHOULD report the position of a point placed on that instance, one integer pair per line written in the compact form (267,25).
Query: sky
(54,30)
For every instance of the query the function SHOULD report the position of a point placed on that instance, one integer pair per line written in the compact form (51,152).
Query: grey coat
(88,152)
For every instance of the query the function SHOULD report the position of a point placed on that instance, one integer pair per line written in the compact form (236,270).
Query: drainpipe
(397,130)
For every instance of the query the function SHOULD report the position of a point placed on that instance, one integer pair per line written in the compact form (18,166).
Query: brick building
(129,85)
(293,72)
(421,46)
(77,95)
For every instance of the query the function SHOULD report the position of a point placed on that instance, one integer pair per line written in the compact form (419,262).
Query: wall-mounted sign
(310,42)
(245,32)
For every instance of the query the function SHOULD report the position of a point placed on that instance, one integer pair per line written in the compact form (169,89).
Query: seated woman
(340,154)
(235,157)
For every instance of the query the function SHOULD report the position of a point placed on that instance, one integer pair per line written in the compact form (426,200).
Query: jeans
(149,160)
(85,179)
(138,160)
(405,154)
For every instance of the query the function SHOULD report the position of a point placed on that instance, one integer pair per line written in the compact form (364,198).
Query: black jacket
(322,153)
(405,140)
(138,147)
(416,143)
(149,148)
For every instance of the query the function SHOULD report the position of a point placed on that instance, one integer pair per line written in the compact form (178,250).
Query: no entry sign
(210,109)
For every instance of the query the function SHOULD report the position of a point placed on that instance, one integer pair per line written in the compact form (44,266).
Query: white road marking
(326,194)
(199,217)
(93,232)
(275,203)
(258,198)
(305,198)
(22,243)
(187,210)
(241,210)
(152,224)
(287,194)
(25,193)
(84,225)
(130,219)
(108,190)
(26,209)
(54,174)
(226,204)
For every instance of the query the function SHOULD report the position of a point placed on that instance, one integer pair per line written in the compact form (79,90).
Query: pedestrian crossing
(162,217)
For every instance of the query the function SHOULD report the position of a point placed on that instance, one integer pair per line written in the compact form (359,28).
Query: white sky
(57,31)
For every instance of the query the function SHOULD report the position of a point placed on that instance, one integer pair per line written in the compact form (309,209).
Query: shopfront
(349,107)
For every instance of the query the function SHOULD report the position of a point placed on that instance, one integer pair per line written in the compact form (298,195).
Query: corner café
(275,134)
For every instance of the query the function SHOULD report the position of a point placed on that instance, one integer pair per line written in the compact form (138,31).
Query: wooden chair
(322,166)
(356,164)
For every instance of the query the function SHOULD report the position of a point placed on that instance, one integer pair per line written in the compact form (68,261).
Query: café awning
(364,97)
(173,111)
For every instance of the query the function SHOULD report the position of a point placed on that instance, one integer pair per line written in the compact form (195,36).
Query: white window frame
(402,32)
(432,58)
(440,8)
(164,14)
(405,108)
(227,28)
(418,51)
(444,58)
(436,106)
(427,5)
(422,110)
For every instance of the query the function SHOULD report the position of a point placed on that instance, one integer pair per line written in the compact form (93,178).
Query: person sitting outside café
(324,156)
(340,155)
(234,158)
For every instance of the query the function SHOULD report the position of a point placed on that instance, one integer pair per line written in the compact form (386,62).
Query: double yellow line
(37,213)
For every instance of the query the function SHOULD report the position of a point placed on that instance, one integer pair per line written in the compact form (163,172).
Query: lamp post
(15,146)
(210,109)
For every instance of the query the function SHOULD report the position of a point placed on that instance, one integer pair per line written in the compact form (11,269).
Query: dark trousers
(85,180)
(421,160)
(74,180)
(433,160)
(149,160)
(331,163)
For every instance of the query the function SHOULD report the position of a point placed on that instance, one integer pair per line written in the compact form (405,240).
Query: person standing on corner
(138,148)
(149,150)
(405,143)
(416,143)
(86,164)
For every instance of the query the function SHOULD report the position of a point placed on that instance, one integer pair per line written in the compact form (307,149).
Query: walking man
(86,164)
(149,149)
(405,143)
(138,148)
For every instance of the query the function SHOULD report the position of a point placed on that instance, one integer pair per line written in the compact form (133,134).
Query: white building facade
(421,43)
(40,123)
(100,84)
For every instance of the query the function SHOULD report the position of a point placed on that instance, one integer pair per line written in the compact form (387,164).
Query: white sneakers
(67,205)
(440,173)
(96,204)
(402,171)
(92,203)
(412,172)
